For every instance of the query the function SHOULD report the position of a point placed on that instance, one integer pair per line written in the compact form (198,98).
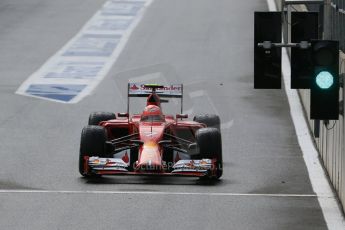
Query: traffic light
(324,98)
(267,62)
(304,27)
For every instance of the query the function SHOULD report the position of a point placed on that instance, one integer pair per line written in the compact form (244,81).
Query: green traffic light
(324,80)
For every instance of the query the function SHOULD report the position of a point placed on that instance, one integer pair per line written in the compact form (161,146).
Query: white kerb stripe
(157,193)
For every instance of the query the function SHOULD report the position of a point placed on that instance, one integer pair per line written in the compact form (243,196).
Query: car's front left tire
(97,117)
(209,146)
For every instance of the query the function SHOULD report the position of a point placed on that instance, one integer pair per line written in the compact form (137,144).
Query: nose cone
(151,131)
(150,157)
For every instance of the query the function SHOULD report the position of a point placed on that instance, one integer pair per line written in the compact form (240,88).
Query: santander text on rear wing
(144,90)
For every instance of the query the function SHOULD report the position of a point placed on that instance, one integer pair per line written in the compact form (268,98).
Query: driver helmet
(152,110)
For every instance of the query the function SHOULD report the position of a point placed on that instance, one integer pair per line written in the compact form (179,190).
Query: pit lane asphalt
(205,44)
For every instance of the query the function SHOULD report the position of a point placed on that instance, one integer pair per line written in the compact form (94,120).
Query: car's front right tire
(210,120)
(92,143)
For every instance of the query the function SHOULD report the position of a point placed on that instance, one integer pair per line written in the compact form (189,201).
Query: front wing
(116,166)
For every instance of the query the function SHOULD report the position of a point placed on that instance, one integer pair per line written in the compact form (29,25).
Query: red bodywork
(150,142)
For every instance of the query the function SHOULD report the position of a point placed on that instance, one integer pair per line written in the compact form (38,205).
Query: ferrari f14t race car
(151,143)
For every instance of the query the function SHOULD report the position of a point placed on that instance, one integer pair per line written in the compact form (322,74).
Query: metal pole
(182,99)
(288,29)
(128,98)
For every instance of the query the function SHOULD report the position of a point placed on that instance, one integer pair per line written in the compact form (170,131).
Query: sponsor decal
(203,164)
(125,158)
(61,92)
(151,144)
(93,45)
(150,134)
(134,87)
(103,163)
(78,67)
(171,90)
(152,109)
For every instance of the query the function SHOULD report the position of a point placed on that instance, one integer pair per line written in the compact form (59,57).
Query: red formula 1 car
(151,143)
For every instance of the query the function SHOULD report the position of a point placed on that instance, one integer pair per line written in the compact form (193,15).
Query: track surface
(205,44)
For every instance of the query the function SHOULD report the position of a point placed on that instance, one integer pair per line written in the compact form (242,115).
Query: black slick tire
(92,143)
(210,120)
(209,145)
(96,117)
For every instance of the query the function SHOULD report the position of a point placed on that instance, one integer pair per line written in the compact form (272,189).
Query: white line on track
(156,193)
(326,197)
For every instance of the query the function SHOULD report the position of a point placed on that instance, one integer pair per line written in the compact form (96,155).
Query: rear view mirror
(193,149)
(181,116)
(123,115)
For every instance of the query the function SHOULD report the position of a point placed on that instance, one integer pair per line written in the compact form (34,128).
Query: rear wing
(144,90)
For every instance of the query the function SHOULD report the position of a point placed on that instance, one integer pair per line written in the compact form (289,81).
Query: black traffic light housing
(267,62)
(314,63)
(324,98)
(304,27)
